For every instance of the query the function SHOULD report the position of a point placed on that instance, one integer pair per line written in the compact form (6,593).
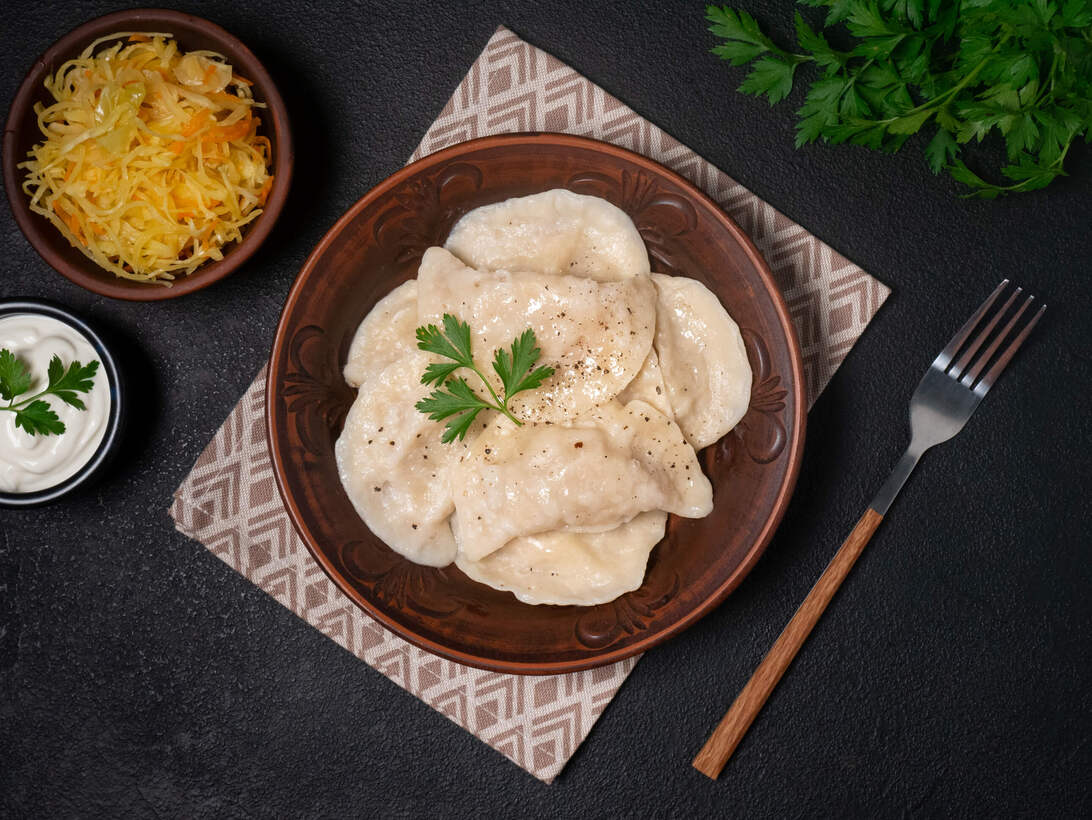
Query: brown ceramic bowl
(376,246)
(21,133)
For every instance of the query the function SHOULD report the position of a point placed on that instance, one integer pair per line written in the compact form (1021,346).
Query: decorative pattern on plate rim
(308,388)
(422,206)
(762,429)
(396,581)
(631,613)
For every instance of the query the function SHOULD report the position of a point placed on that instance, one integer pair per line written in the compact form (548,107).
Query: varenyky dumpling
(555,232)
(590,474)
(394,466)
(595,335)
(564,567)
(702,359)
(385,336)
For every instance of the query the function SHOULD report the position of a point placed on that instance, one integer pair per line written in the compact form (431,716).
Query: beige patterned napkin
(229,502)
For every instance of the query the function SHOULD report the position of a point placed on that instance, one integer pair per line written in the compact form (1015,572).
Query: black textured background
(141,677)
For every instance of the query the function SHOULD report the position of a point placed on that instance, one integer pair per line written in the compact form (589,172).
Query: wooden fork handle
(730,731)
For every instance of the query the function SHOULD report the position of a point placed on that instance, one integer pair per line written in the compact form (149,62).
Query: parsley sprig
(456,401)
(33,413)
(961,70)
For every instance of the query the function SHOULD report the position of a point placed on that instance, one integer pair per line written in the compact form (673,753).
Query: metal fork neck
(882,502)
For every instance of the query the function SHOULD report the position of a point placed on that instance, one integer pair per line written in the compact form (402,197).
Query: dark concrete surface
(141,677)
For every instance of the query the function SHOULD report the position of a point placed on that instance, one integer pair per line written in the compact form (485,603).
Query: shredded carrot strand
(196,122)
(69,220)
(228,133)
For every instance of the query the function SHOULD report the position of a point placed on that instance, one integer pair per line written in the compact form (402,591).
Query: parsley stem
(506,412)
(15,406)
(943,99)
(1019,186)
(1047,88)
(851,79)
(951,92)
(502,406)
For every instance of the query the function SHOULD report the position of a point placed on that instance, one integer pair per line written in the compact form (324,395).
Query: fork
(949,392)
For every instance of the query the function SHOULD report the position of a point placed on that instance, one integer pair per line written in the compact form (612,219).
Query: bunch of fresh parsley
(958,70)
(33,413)
(456,400)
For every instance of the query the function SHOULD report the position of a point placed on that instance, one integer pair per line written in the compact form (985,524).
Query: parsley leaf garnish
(65,384)
(38,417)
(744,41)
(514,368)
(459,400)
(959,72)
(454,399)
(33,414)
(14,376)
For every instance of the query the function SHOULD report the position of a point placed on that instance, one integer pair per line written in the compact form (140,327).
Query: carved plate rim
(527,142)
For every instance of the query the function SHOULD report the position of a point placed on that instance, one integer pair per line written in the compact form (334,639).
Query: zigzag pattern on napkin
(230,503)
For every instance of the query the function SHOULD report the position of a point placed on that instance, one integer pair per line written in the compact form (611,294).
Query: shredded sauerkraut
(151,161)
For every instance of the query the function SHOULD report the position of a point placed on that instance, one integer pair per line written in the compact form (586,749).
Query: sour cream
(32,463)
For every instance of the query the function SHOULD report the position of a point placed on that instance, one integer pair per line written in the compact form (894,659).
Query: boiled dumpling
(702,358)
(385,336)
(580,568)
(394,467)
(591,474)
(555,232)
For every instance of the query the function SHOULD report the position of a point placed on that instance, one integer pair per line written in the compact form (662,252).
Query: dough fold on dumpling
(595,335)
(591,474)
(394,467)
(702,358)
(555,232)
(648,386)
(578,568)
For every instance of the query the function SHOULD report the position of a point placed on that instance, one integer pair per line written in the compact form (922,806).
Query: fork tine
(982,335)
(991,375)
(948,353)
(984,359)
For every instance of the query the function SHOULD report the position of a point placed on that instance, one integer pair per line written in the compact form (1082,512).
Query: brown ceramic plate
(21,133)
(376,246)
